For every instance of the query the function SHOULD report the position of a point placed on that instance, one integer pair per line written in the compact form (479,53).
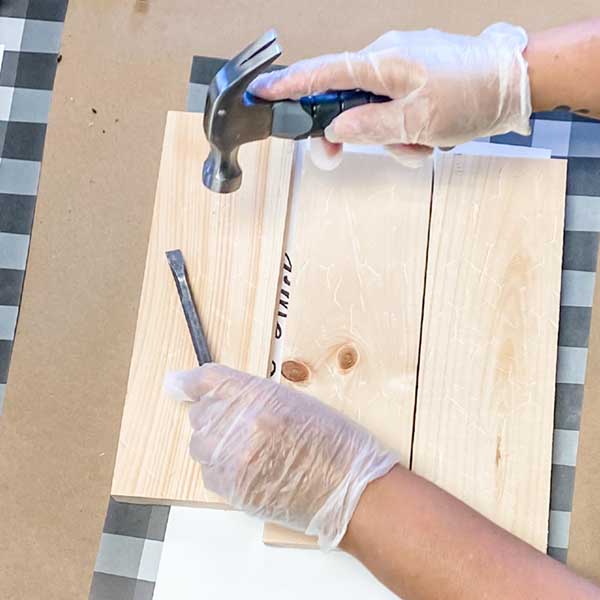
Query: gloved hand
(277,453)
(446,89)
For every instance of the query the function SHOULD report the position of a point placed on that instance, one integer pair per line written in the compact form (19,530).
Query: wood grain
(357,249)
(232,245)
(486,382)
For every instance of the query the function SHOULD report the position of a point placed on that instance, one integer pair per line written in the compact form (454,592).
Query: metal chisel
(177,264)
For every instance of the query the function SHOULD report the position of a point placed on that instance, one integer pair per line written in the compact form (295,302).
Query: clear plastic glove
(446,89)
(277,453)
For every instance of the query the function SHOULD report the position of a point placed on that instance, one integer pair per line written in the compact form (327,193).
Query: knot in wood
(347,357)
(295,371)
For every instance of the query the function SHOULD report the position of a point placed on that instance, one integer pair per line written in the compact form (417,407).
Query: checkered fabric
(126,567)
(30,31)
(578,140)
(129,553)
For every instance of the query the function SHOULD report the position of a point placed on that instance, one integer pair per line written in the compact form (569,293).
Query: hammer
(233,116)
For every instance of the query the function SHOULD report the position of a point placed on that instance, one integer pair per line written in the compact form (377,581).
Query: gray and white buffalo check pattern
(131,544)
(30,31)
(130,550)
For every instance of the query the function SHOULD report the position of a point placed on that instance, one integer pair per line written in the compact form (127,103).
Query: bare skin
(564,68)
(423,544)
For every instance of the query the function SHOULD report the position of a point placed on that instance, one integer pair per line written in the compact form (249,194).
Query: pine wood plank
(277,535)
(486,381)
(357,249)
(232,245)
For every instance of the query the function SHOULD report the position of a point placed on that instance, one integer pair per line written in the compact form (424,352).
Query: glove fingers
(325,154)
(216,479)
(210,378)
(410,155)
(202,446)
(220,420)
(184,385)
(368,124)
(345,71)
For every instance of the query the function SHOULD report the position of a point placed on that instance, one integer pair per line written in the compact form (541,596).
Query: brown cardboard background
(130,60)
(584,538)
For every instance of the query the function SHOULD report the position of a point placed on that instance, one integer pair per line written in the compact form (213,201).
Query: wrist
(544,90)
(371,503)
(557,68)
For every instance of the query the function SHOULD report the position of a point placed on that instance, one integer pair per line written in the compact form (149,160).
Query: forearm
(422,543)
(564,68)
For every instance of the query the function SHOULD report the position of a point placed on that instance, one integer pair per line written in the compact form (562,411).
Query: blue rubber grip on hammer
(323,108)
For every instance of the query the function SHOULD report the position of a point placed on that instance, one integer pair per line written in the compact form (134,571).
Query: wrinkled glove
(446,89)
(277,453)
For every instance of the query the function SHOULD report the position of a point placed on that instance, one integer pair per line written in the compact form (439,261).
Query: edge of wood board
(171,502)
(282,537)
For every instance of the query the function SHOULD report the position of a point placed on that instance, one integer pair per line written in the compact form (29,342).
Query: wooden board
(232,245)
(357,250)
(486,383)
(277,535)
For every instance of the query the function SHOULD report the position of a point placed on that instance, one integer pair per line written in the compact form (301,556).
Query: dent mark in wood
(347,357)
(498,450)
(295,371)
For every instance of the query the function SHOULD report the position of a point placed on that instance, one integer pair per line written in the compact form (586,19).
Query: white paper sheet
(487,149)
(219,554)
(474,148)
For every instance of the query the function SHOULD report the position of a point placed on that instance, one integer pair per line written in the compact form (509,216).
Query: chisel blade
(177,264)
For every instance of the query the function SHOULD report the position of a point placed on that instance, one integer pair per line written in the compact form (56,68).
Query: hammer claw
(244,67)
(255,48)
(262,58)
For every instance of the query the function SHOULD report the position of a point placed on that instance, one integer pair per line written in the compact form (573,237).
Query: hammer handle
(309,116)
(323,108)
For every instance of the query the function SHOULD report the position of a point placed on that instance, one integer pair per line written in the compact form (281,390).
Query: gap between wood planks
(414,424)
(372,294)
(285,293)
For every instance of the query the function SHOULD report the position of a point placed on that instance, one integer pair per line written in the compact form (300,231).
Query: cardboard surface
(584,537)
(130,61)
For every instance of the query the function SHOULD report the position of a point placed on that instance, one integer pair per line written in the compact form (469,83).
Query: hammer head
(233,117)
